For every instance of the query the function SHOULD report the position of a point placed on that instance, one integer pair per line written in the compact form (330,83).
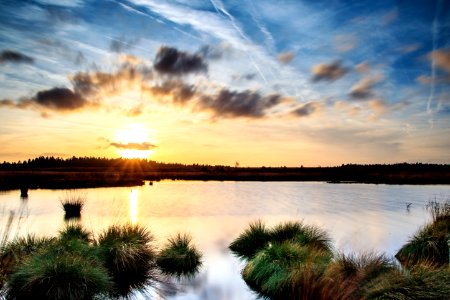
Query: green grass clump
(281,270)
(73,231)
(179,257)
(303,234)
(64,270)
(253,239)
(129,258)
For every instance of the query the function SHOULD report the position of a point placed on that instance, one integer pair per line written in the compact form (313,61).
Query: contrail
(222,10)
(435,33)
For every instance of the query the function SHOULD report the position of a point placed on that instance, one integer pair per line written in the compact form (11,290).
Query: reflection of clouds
(356,216)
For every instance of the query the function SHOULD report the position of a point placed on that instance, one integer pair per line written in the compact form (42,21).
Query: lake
(359,217)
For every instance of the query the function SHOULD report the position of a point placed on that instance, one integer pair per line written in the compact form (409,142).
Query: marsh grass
(420,282)
(129,257)
(179,258)
(285,270)
(64,270)
(73,204)
(74,231)
(253,239)
(430,244)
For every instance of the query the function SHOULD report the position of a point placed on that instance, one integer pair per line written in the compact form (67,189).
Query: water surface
(359,217)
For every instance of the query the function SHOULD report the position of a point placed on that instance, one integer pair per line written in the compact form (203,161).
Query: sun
(133,141)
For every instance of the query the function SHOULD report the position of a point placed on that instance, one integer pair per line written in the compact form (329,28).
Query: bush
(179,258)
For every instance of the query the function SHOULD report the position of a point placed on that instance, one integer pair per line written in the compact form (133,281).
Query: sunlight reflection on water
(358,217)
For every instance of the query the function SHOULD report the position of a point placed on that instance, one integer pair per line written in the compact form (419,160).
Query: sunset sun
(133,141)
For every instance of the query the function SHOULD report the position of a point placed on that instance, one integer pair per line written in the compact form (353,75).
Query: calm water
(359,217)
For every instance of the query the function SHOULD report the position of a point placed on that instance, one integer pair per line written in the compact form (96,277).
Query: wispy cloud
(10,56)
(330,72)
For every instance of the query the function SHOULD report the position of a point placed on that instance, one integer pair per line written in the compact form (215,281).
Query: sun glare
(133,141)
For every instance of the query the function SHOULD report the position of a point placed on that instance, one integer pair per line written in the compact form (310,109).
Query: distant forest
(79,172)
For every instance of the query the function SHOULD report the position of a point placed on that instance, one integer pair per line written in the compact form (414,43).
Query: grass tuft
(75,231)
(179,257)
(129,258)
(253,239)
(62,271)
(73,205)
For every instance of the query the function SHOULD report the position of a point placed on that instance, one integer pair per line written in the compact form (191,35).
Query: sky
(258,83)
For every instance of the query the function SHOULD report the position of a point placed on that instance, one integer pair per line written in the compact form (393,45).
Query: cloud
(307,109)
(174,62)
(364,88)
(441,58)
(214,52)
(121,44)
(179,91)
(362,67)
(345,43)
(231,104)
(134,146)
(410,48)
(59,99)
(286,57)
(330,72)
(14,57)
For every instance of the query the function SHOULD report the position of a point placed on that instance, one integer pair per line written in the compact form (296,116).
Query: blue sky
(262,82)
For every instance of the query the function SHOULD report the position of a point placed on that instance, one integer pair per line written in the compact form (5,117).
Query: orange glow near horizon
(133,141)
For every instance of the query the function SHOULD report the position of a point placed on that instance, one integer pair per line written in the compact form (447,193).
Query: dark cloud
(134,146)
(364,88)
(173,62)
(59,99)
(307,109)
(178,90)
(249,104)
(330,72)
(14,57)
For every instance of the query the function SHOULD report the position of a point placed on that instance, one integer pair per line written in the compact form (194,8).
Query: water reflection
(134,210)
(358,217)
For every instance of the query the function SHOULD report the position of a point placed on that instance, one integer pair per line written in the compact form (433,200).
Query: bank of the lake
(359,217)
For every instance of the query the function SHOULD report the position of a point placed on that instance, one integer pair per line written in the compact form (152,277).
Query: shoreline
(97,177)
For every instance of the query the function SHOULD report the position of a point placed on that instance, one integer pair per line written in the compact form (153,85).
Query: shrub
(179,257)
